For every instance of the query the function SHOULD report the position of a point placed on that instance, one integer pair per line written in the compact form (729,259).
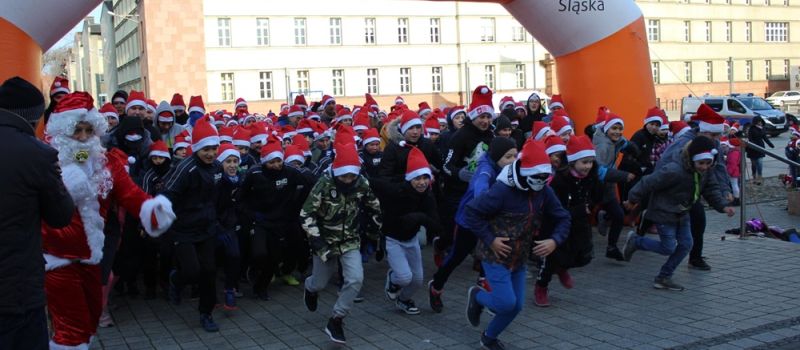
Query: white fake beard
(94,166)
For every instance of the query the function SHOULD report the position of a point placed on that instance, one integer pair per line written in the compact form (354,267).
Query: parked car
(732,110)
(779,98)
(774,119)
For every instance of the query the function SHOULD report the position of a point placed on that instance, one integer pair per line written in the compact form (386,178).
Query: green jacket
(331,218)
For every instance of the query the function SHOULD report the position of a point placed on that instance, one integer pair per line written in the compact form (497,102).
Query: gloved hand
(465,174)
(319,247)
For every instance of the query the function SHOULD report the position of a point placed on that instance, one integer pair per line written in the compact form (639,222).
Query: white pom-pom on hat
(131,160)
(485,90)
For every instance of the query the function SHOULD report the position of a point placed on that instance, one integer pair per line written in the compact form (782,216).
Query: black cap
(120,93)
(23,98)
(700,144)
(499,146)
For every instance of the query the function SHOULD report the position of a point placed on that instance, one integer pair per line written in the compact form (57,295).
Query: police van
(734,110)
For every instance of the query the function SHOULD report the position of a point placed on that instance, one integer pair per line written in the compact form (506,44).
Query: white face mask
(534,183)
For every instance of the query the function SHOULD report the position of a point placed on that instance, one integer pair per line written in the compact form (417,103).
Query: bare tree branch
(56,60)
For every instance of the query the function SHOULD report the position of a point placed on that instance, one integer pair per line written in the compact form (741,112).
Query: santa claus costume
(94,178)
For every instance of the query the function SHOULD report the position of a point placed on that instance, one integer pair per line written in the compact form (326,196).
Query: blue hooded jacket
(484,177)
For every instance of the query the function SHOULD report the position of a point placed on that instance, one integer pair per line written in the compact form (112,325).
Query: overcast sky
(67,38)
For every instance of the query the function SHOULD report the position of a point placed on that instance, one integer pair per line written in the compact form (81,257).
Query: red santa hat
(74,108)
(346,160)
(159,149)
(664,123)
(408,119)
(284,107)
(602,113)
(431,126)
(60,86)
(554,144)
(151,105)
(424,109)
(560,122)
(399,100)
(519,106)
(361,121)
(258,133)
(108,111)
(302,143)
(226,134)
(325,100)
(294,153)
(458,109)
(735,142)
(177,103)
(342,114)
(724,141)
(204,135)
(708,120)
(227,150)
(182,140)
(371,103)
(271,150)
(295,111)
(371,135)
(795,130)
(241,137)
(417,165)
(735,127)
(288,131)
(556,102)
(240,102)
(481,102)
(612,119)
(344,134)
(304,126)
(300,100)
(534,159)
(196,104)
(579,147)
(678,128)
(136,98)
(507,101)
(540,130)
(313,116)
(654,115)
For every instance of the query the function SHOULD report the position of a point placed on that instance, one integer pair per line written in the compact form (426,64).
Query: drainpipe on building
(109,47)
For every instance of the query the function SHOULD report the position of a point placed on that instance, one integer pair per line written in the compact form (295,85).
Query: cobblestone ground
(748,300)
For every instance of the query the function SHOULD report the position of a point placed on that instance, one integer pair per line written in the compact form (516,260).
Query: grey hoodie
(607,172)
(169,136)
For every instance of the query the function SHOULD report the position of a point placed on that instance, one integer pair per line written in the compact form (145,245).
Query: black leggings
(196,266)
(231,259)
(616,217)
(697,220)
(447,215)
(463,244)
(577,251)
(280,249)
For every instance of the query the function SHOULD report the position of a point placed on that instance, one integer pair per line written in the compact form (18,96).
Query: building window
(224,31)
(262,31)
(776,32)
(436,79)
(265,85)
(226,86)
(748,70)
(785,69)
(302,81)
(687,72)
(709,71)
(520,70)
(402,30)
(369,30)
(372,80)
(655,69)
(768,69)
(518,33)
(488,76)
(708,31)
(299,31)
(338,82)
(405,79)
(728,32)
(487,29)
(435,39)
(653,29)
(687,31)
(748,32)
(729,69)
(336,30)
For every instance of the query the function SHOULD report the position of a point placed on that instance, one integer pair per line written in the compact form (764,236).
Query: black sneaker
(474,309)
(666,283)
(208,323)
(263,295)
(491,344)
(602,223)
(335,330)
(614,253)
(699,264)
(630,246)
(310,299)
(435,298)
(359,297)
(407,306)
(392,290)
(174,292)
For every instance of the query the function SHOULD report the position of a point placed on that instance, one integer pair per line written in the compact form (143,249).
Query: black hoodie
(526,124)
(466,147)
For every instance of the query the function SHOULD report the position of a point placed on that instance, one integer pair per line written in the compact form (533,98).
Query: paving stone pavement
(748,300)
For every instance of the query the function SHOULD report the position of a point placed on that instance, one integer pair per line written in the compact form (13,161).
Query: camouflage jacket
(330,217)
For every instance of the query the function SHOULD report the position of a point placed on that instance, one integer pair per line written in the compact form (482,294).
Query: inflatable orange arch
(600,48)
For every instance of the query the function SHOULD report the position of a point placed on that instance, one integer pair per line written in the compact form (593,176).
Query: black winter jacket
(405,210)
(32,191)
(191,187)
(273,198)
(466,147)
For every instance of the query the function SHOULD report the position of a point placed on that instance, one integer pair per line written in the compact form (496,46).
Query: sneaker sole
(386,286)
(230,308)
(466,311)
(625,254)
(430,286)
(663,287)
(408,312)
(305,291)
(337,341)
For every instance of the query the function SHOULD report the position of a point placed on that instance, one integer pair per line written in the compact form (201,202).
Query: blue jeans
(675,241)
(757,166)
(506,298)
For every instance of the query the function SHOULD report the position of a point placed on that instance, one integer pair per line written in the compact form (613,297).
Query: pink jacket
(734,157)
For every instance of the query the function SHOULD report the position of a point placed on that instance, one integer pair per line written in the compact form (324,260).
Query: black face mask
(147,122)
(161,169)
(343,187)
